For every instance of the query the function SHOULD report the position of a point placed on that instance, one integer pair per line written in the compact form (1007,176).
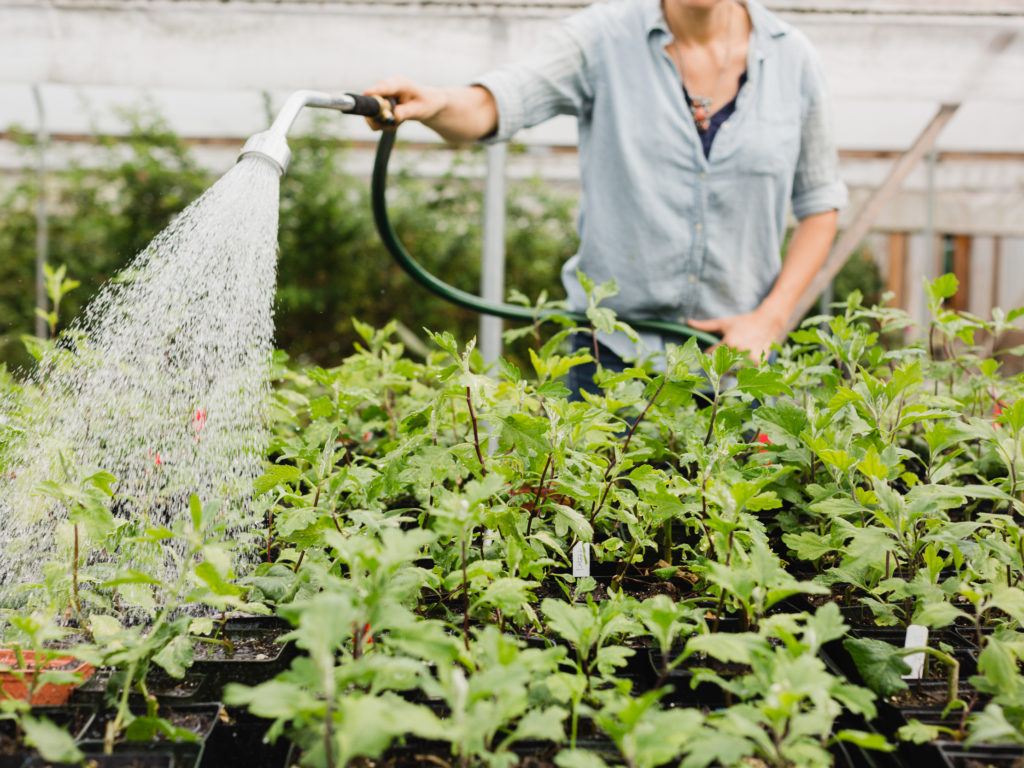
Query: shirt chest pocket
(769,144)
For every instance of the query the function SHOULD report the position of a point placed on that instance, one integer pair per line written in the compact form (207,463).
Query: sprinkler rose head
(270,145)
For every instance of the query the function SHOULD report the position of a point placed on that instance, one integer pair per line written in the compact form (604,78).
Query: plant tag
(580,560)
(917,637)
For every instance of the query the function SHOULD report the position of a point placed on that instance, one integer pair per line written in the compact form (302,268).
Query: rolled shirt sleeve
(551,81)
(817,186)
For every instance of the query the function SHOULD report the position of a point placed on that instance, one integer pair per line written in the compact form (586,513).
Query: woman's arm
(756,331)
(459,114)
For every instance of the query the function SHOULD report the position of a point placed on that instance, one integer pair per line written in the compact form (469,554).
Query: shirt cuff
(828,197)
(511,112)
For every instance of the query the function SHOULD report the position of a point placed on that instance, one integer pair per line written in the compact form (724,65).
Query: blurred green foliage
(98,218)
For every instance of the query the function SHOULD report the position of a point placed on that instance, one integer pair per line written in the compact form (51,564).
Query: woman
(700,121)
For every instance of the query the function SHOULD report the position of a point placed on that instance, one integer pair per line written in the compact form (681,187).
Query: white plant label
(580,560)
(917,637)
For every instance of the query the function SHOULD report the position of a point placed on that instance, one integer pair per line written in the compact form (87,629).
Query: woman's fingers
(412,101)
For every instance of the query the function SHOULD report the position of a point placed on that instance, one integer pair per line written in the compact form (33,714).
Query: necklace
(700,106)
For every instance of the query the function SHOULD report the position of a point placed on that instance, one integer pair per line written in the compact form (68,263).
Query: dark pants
(581,377)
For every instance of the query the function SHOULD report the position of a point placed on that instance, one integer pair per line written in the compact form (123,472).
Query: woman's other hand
(753,332)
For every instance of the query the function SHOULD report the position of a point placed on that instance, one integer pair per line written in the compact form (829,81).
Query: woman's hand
(412,100)
(459,114)
(753,332)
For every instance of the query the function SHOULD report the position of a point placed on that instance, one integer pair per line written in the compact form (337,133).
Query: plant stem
(608,479)
(476,434)
(952,680)
(465,597)
(721,597)
(329,733)
(537,498)
(74,579)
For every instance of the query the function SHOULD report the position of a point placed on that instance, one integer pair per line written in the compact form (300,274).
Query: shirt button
(693,278)
(703,176)
(699,226)
(725,124)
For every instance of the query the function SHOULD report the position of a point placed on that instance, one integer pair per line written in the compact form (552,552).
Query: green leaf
(724,647)
(527,433)
(577,522)
(809,545)
(917,732)
(992,727)
(553,389)
(578,758)
(872,465)
(879,664)
(54,743)
(761,383)
(875,741)
(507,594)
(277,474)
(937,614)
(195,509)
(941,289)
(321,407)
(176,657)
(94,516)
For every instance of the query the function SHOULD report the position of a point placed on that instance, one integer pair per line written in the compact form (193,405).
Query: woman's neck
(698,26)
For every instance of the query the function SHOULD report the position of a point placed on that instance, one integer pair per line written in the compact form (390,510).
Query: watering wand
(272,145)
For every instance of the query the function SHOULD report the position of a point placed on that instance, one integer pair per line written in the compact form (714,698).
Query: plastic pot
(956,755)
(73,719)
(201,719)
(238,740)
(250,635)
(15,685)
(190,689)
(117,760)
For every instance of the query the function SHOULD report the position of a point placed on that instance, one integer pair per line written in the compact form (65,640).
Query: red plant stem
(476,434)
(704,514)
(540,492)
(711,423)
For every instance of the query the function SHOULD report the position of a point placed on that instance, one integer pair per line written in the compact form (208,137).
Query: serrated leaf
(277,474)
(761,383)
(937,614)
(917,732)
(54,743)
(879,665)
(176,657)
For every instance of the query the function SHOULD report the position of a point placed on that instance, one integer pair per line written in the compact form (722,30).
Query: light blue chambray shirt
(683,235)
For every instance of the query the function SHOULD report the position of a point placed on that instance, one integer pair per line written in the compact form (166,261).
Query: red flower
(155,456)
(198,421)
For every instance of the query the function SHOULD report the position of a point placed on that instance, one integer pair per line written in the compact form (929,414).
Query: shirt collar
(766,25)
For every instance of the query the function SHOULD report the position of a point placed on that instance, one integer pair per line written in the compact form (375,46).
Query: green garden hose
(471,301)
